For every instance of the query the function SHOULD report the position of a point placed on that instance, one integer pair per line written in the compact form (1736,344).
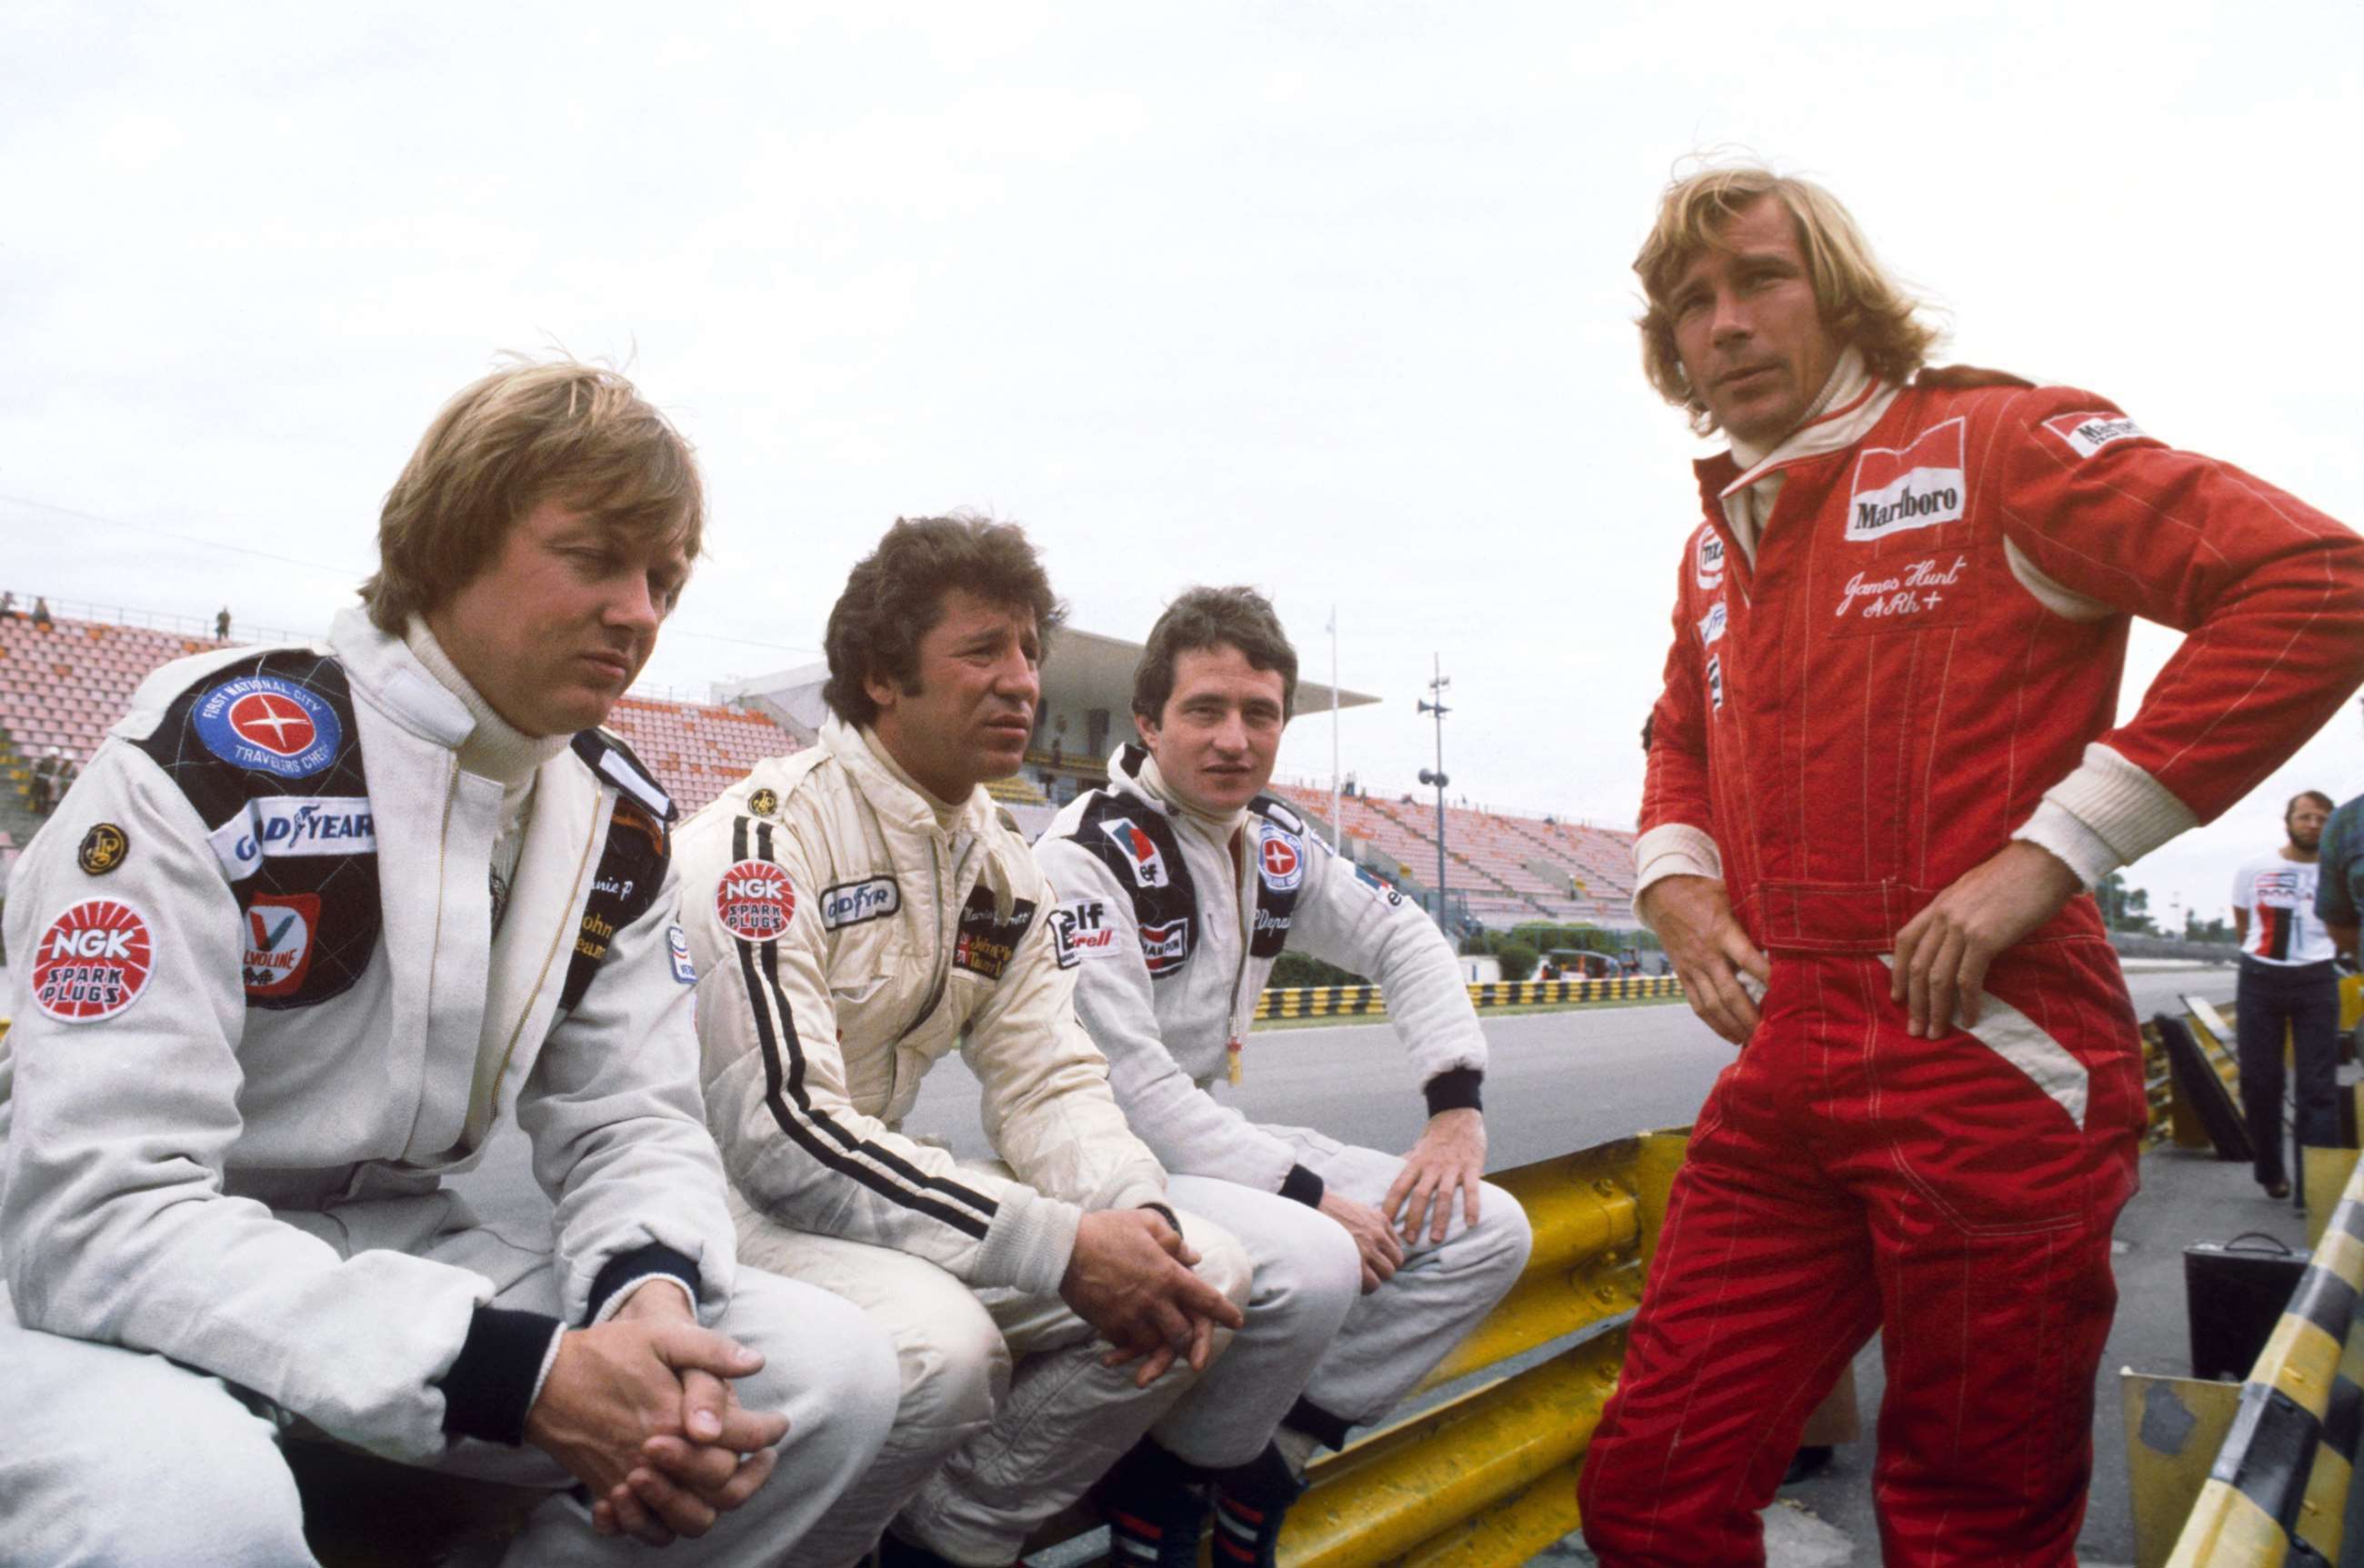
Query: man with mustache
(861,909)
(1884,773)
(317,922)
(2288,985)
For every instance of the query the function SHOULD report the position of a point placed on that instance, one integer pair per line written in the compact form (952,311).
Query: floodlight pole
(1436,689)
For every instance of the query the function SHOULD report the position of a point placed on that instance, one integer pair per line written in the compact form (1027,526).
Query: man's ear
(884,693)
(1147,729)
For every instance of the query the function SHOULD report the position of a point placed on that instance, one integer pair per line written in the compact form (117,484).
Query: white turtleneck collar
(1216,826)
(946,812)
(1851,402)
(495,748)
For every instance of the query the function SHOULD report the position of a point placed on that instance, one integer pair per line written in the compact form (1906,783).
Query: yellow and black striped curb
(1346,1001)
(2296,1425)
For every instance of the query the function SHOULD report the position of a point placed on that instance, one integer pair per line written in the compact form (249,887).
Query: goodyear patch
(103,849)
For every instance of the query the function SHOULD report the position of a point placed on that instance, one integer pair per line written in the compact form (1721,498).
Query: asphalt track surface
(1554,1082)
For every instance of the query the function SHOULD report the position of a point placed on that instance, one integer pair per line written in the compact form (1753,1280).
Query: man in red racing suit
(1883,776)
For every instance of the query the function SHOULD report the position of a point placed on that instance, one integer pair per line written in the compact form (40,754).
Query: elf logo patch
(93,962)
(1166,946)
(1710,626)
(1148,864)
(2089,433)
(1917,487)
(754,902)
(280,930)
(1080,929)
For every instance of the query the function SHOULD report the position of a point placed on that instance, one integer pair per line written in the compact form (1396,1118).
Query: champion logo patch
(281,931)
(93,962)
(2089,433)
(1148,864)
(269,724)
(754,902)
(1281,859)
(1714,680)
(1917,487)
(1165,945)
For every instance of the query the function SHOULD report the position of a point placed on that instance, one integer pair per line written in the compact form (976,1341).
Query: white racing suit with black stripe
(1173,927)
(847,939)
(263,1007)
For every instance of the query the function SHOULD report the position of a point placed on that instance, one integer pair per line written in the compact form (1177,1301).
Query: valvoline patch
(269,724)
(93,962)
(754,902)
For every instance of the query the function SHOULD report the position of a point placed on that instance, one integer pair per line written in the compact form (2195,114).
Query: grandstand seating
(63,686)
(696,749)
(1509,868)
(1016,790)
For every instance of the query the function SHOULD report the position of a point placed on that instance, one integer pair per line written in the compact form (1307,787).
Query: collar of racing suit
(898,802)
(495,748)
(1842,414)
(1146,778)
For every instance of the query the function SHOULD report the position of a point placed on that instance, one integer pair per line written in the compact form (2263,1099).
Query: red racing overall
(1928,640)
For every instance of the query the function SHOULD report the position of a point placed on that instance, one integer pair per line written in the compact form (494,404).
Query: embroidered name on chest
(987,938)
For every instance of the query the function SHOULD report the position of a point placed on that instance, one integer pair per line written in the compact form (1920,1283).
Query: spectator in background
(2287,981)
(41,790)
(221,625)
(8,606)
(41,616)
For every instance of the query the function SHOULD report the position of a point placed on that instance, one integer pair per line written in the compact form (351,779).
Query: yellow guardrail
(1489,1476)
(1346,1001)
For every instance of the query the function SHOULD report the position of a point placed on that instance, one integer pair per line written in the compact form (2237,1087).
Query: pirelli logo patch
(2086,434)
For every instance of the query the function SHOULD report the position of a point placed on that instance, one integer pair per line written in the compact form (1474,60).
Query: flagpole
(1337,832)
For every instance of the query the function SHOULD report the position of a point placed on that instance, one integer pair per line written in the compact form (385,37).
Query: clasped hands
(641,1410)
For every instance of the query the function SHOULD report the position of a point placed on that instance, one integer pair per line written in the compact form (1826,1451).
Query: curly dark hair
(896,597)
(1212,617)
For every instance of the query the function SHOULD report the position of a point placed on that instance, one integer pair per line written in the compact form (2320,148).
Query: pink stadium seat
(65,686)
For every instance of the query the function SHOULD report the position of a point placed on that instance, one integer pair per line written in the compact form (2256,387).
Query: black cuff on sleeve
(1165,1213)
(489,1389)
(1304,1185)
(1455,1089)
(639,1264)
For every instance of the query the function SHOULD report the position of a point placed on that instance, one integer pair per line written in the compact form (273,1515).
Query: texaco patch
(93,962)
(754,902)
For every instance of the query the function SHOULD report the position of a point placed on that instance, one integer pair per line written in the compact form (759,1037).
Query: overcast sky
(1331,298)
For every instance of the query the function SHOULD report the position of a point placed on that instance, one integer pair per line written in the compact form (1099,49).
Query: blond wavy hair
(1861,305)
(502,446)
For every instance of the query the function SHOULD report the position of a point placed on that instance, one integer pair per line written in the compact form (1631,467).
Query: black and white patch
(852,903)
